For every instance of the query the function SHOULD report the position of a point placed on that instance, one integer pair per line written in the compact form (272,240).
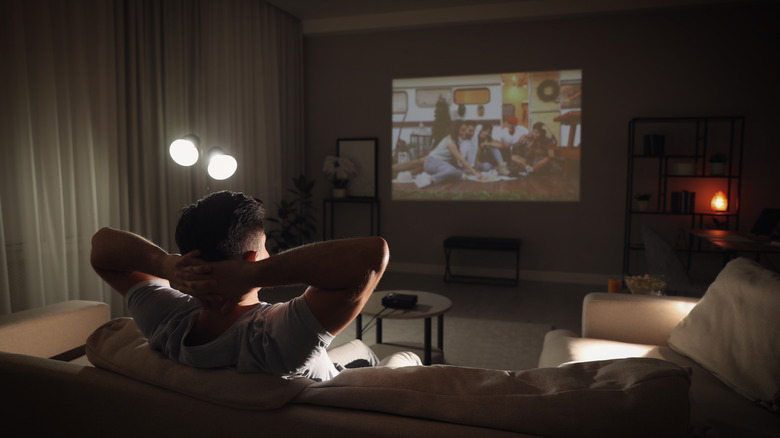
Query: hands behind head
(213,285)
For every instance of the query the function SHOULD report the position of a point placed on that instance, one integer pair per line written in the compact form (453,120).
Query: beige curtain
(59,123)
(95,93)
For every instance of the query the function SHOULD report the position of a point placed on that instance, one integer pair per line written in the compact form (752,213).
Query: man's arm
(340,296)
(124,259)
(341,275)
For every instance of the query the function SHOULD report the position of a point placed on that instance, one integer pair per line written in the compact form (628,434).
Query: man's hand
(218,285)
(340,275)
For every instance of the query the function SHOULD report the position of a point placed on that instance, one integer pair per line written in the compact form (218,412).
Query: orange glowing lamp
(719,202)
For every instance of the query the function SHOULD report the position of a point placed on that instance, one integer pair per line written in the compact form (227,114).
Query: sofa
(123,388)
(728,340)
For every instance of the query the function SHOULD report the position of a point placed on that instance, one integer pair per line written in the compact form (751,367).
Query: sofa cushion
(564,346)
(598,399)
(120,347)
(732,332)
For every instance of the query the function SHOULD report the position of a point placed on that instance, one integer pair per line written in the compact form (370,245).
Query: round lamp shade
(222,166)
(184,152)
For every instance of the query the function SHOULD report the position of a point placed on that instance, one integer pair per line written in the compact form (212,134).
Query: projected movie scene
(493,137)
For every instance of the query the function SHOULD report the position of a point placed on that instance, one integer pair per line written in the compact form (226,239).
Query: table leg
(359,326)
(427,359)
(379,330)
(441,333)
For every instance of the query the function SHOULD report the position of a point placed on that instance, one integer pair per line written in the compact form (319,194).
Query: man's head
(223,226)
(511,121)
(470,128)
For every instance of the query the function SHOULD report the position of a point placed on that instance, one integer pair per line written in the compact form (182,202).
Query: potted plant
(643,201)
(717,164)
(295,225)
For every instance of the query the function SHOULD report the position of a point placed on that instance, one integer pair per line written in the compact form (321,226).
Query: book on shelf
(683,202)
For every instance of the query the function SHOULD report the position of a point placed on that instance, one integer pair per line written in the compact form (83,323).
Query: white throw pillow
(733,331)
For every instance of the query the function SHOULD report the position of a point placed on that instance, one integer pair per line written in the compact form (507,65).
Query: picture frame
(363,153)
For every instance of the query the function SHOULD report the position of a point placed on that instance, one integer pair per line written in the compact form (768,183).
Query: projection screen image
(493,137)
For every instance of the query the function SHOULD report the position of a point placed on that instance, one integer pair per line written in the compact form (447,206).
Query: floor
(496,327)
(556,304)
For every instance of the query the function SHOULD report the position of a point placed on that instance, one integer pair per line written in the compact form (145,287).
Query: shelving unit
(669,155)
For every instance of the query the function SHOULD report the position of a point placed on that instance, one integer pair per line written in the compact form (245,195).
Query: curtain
(97,91)
(227,71)
(59,122)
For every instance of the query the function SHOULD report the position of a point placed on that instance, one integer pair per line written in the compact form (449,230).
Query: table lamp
(719,202)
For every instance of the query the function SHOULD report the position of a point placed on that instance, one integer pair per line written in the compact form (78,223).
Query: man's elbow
(384,250)
(98,246)
(377,254)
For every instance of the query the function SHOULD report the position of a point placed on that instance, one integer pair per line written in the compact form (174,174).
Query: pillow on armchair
(732,331)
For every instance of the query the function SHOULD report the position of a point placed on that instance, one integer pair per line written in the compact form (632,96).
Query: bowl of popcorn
(645,284)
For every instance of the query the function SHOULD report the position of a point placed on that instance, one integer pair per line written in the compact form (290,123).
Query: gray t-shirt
(283,339)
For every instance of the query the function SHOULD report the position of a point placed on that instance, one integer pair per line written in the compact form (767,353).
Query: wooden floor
(541,187)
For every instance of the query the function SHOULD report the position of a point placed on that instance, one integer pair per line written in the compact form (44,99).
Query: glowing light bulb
(221,165)
(719,202)
(184,151)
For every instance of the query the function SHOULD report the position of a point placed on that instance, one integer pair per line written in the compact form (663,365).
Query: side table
(428,306)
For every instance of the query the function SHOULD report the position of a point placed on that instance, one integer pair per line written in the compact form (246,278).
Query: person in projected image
(214,317)
(489,152)
(467,144)
(445,163)
(532,153)
(511,135)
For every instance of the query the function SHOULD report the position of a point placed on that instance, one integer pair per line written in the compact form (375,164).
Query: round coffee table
(428,306)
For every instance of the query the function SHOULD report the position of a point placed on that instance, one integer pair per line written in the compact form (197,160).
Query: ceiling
(340,16)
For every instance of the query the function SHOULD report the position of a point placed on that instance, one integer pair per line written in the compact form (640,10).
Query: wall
(683,62)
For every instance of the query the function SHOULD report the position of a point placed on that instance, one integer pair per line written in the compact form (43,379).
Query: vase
(717,169)
(339,193)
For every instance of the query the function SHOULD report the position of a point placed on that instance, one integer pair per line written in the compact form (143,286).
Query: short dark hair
(223,226)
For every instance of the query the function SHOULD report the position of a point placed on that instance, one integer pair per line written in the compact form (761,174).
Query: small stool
(483,244)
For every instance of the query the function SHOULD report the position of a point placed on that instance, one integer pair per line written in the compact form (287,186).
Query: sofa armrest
(51,330)
(638,319)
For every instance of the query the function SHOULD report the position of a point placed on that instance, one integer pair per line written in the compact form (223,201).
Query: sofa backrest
(638,319)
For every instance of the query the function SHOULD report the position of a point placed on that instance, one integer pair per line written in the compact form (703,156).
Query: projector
(399,301)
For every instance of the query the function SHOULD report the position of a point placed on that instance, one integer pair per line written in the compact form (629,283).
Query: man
(532,152)
(468,143)
(512,134)
(215,318)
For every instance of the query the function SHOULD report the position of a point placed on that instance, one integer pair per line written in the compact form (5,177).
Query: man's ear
(252,256)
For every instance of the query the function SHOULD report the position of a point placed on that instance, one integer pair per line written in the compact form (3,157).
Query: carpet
(502,345)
